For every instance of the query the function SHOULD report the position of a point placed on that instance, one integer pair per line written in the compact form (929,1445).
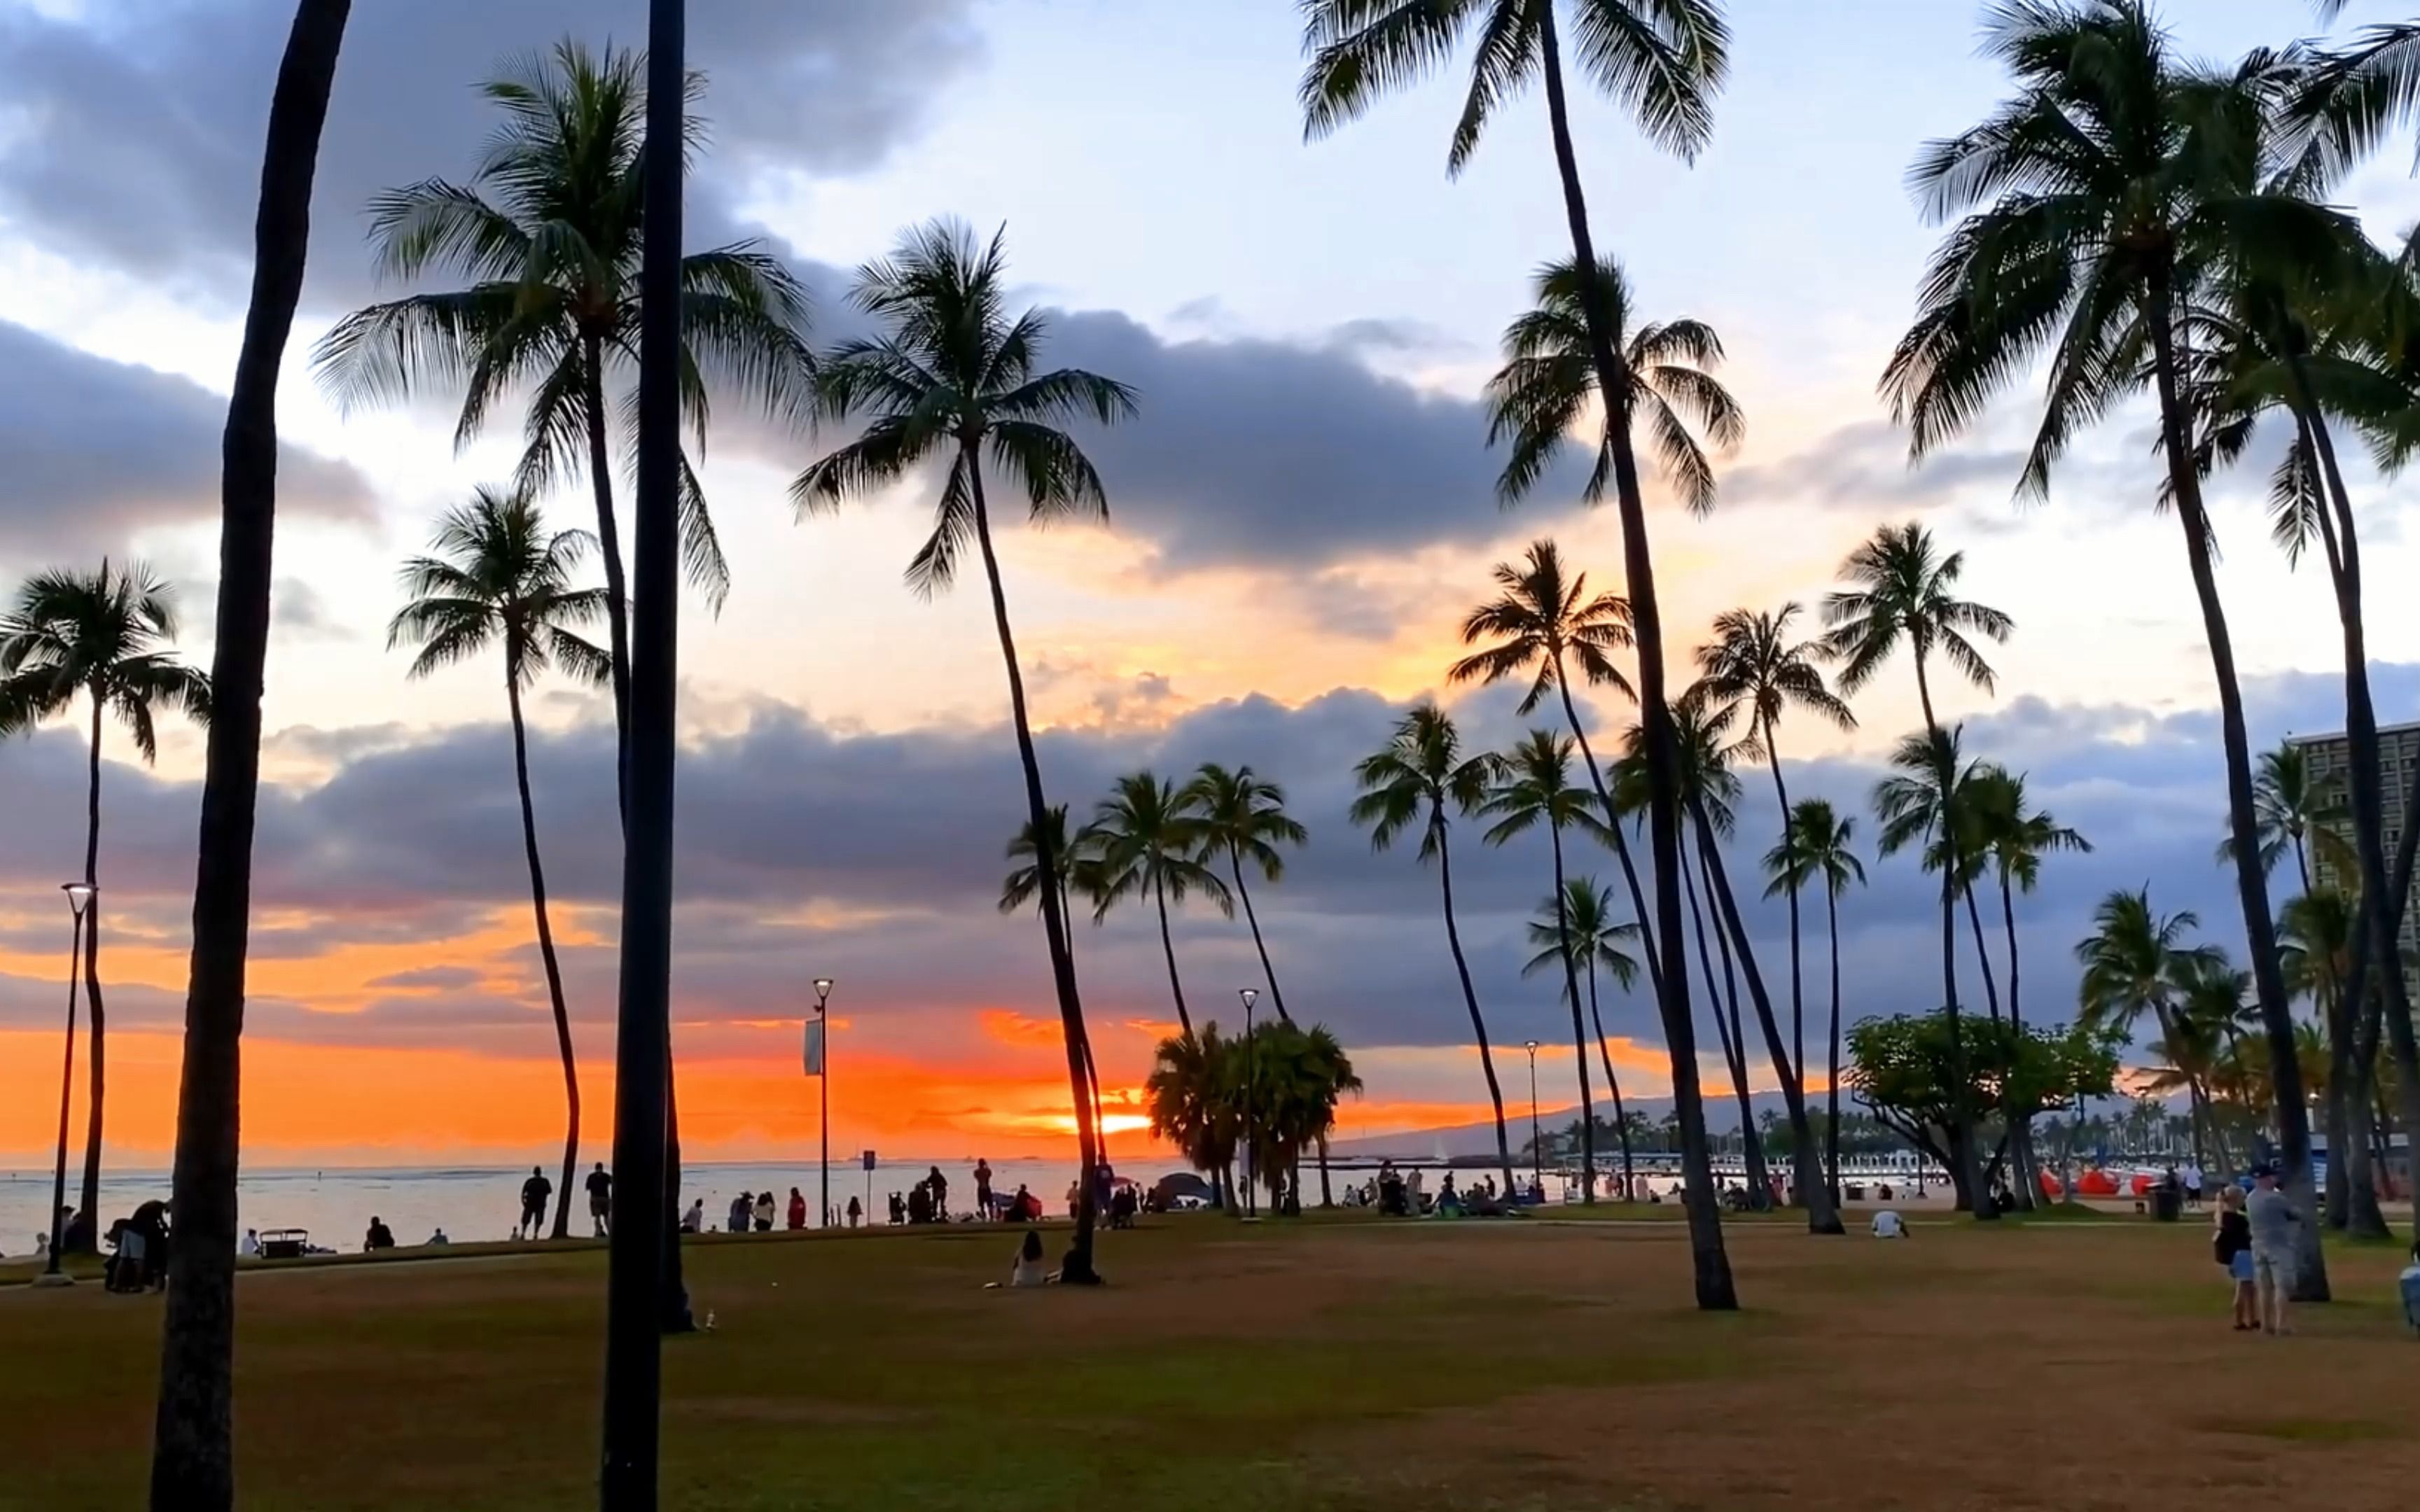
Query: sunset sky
(1301,514)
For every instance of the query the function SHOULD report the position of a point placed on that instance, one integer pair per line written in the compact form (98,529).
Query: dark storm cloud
(97,451)
(876,859)
(138,129)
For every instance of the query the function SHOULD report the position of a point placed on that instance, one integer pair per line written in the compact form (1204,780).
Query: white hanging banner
(815,1047)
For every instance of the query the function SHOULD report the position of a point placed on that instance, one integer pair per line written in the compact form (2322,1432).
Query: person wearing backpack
(2231,1247)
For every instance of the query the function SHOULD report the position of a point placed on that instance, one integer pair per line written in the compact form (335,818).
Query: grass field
(1347,1366)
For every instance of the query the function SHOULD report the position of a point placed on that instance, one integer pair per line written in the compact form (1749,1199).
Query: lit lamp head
(823,992)
(80,896)
(1249,996)
(1530,1045)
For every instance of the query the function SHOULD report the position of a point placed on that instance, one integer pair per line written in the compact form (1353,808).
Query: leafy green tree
(1755,659)
(1241,815)
(1903,592)
(1533,787)
(497,578)
(2135,963)
(1662,62)
(1594,932)
(1934,803)
(1416,778)
(1194,1098)
(545,238)
(2293,809)
(2093,209)
(2315,936)
(950,378)
(103,636)
(1819,847)
(1146,842)
(2016,837)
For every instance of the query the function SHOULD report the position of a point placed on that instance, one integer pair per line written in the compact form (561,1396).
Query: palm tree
(192,1449)
(1533,785)
(545,236)
(1549,382)
(1078,864)
(1585,913)
(951,377)
(1903,592)
(1144,841)
(2137,962)
(1237,812)
(2290,806)
(2097,204)
(103,637)
(2015,837)
(1541,623)
(1662,61)
(1819,845)
(1194,1104)
(497,578)
(1419,775)
(1753,658)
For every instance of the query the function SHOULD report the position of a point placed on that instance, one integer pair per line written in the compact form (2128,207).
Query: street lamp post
(823,1091)
(1537,1171)
(1251,1068)
(80,895)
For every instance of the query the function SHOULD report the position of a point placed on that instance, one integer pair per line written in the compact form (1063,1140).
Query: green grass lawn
(1343,1365)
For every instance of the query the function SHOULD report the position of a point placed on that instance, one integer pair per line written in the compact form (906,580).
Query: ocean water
(472,1203)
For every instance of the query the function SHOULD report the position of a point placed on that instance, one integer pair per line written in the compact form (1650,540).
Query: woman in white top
(1029,1270)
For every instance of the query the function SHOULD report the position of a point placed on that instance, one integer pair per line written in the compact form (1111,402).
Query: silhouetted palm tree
(497,578)
(1819,845)
(1662,61)
(1240,815)
(193,1448)
(1144,841)
(544,235)
(103,637)
(952,378)
(1533,786)
(1904,593)
(1587,909)
(1420,773)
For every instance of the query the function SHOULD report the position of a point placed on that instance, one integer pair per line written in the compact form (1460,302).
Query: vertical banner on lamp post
(815,1047)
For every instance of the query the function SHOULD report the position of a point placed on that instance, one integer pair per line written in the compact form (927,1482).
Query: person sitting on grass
(1028,1270)
(379,1236)
(2231,1246)
(1888,1224)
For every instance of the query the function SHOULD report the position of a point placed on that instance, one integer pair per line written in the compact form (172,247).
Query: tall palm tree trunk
(1579,1029)
(192,1461)
(1613,827)
(1470,1000)
(1613,1086)
(546,954)
(1961,1107)
(1709,1261)
(1807,1172)
(1982,955)
(2022,1136)
(89,1234)
(1832,1070)
(2252,884)
(1789,827)
(1168,948)
(1268,973)
(608,545)
(1078,1264)
(1751,1159)
(2369,801)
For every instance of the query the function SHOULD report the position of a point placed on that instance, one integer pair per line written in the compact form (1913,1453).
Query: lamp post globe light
(823,1092)
(1251,1198)
(80,896)
(1537,1171)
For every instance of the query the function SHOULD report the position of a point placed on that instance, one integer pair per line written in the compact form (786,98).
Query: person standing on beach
(2274,1225)
(797,1210)
(855,1212)
(534,1193)
(982,1189)
(2231,1246)
(600,1200)
(940,1185)
(741,1207)
(765,1211)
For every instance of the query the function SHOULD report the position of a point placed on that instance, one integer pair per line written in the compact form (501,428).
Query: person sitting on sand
(379,1236)
(2231,1247)
(1888,1224)
(438,1238)
(250,1248)
(693,1221)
